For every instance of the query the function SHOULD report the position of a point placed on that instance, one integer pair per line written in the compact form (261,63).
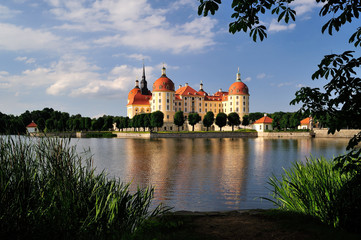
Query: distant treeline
(50,120)
(53,121)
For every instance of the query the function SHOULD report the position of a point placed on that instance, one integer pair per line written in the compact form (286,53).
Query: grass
(48,190)
(317,189)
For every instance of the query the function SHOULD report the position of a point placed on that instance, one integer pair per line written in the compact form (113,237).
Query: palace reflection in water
(205,174)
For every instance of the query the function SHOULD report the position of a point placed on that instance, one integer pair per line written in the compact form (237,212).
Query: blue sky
(83,56)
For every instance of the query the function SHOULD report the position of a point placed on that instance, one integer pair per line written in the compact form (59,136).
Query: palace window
(167,100)
(244,109)
(244,97)
(205,104)
(168,94)
(230,103)
(230,98)
(200,104)
(230,109)
(185,104)
(159,94)
(185,109)
(206,110)
(159,107)
(244,103)
(167,116)
(236,109)
(236,103)
(159,100)
(167,107)
(237,97)
(200,110)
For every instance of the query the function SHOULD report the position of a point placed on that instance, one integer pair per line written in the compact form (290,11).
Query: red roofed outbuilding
(32,128)
(262,124)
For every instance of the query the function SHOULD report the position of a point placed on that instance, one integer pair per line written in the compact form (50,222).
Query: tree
(255,116)
(221,120)
(147,121)
(41,124)
(87,123)
(233,120)
(179,119)
(49,124)
(193,119)
(77,124)
(141,121)
(208,119)
(157,119)
(245,120)
(108,123)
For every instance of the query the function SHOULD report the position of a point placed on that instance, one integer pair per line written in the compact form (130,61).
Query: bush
(48,190)
(100,135)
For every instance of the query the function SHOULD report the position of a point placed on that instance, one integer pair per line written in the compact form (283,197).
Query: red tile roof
(264,119)
(31,125)
(163,84)
(139,99)
(305,121)
(186,91)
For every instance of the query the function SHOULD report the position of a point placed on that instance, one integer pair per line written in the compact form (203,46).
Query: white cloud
(3,73)
(277,27)
(138,57)
(135,24)
(284,84)
(26,60)
(247,79)
(304,6)
(15,38)
(261,75)
(5,12)
(76,76)
(300,85)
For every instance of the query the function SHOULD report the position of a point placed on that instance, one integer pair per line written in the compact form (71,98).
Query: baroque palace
(165,98)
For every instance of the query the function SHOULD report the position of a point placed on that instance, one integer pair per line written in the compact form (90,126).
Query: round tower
(163,96)
(238,98)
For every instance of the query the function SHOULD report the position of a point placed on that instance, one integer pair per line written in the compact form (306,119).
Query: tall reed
(48,189)
(313,188)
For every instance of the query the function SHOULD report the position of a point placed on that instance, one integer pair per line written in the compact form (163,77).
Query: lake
(205,174)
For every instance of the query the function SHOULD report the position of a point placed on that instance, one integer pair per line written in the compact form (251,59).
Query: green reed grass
(49,190)
(312,188)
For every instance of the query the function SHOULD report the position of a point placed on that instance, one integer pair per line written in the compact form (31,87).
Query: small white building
(32,128)
(306,123)
(262,124)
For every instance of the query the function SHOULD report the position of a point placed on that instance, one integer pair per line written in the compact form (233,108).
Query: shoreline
(316,133)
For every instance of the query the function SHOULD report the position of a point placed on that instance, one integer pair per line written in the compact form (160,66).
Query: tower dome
(163,83)
(238,87)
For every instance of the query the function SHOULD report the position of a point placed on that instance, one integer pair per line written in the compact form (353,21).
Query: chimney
(186,85)
(179,86)
(220,90)
(136,83)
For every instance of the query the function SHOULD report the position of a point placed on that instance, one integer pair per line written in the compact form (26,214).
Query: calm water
(205,174)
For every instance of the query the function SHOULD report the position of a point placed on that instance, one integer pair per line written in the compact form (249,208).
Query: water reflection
(205,174)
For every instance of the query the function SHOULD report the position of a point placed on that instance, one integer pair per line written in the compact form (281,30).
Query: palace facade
(164,97)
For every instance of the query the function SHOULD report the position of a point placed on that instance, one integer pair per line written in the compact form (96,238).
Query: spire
(163,70)
(238,76)
(136,83)
(201,86)
(143,84)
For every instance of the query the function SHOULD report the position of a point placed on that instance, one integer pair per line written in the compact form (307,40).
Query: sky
(84,56)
